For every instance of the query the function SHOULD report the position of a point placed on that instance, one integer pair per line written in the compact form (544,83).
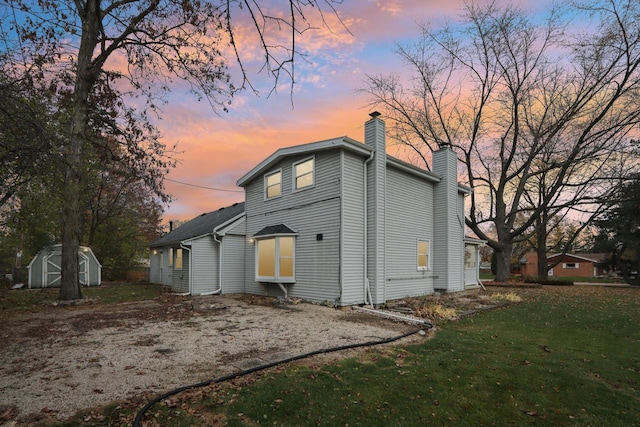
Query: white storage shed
(45,268)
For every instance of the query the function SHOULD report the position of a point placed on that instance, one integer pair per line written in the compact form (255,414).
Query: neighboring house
(567,265)
(45,268)
(343,222)
(188,259)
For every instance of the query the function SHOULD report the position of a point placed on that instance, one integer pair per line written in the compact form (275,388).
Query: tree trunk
(541,249)
(86,76)
(70,281)
(503,263)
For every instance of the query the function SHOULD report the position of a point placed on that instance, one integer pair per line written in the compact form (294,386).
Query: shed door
(83,269)
(52,269)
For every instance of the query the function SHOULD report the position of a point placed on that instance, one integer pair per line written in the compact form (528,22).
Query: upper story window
(273,184)
(423,255)
(303,174)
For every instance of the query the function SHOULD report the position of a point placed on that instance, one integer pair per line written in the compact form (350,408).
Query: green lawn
(564,356)
(106,293)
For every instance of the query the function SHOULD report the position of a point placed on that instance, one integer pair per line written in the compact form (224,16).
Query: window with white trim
(571,265)
(273,184)
(178,259)
(469,257)
(303,174)
(275,259)
(423,260)
(170,257)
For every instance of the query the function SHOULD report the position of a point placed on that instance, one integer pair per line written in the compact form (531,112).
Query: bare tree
(147,44)
(540,116)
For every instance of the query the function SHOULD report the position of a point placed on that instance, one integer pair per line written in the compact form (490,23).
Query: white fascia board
(464,189)
(187,242)
(474,241)
(222,228)
(312,147)
(414,170)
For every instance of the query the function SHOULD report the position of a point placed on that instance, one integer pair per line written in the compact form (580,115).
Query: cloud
(219,149)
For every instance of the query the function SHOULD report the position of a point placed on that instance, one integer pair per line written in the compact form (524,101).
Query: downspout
(478,268)
(185,248)
(215,237)
(367,289)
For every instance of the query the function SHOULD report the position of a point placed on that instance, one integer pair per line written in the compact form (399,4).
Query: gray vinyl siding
(233,261)
(180,278)
(352,230)
(204,270)
(312,211)
(409,218)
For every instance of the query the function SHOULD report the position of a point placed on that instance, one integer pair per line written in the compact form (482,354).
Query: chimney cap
(374,114)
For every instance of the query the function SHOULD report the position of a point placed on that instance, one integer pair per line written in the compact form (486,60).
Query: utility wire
(201,186)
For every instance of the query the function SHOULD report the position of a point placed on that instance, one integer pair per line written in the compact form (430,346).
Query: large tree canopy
(131,50)
(540,112)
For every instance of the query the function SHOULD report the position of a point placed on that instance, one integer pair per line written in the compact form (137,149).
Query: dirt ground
(60,359)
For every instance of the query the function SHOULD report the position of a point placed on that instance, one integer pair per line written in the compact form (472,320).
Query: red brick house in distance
(567,265)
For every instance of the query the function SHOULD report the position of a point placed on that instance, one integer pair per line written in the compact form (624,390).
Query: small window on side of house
(178,259)
(469,257)
(423,255)
(571,265)
(304,174)
(273,184)
(170,257)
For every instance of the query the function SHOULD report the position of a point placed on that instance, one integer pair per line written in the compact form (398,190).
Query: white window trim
(266,176)
(575,265)
(428,267)
(171,257)
(276,278)
(294,176)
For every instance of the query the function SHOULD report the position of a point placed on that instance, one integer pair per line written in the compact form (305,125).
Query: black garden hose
(140,414)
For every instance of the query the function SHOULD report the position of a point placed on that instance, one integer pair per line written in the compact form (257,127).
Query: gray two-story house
(343,222)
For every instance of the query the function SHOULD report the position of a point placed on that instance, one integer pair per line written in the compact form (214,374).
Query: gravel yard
(62,358)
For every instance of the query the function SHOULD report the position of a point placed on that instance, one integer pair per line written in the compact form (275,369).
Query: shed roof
(199,226)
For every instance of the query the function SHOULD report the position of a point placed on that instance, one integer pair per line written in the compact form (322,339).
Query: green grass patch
(560,358)
(106,293)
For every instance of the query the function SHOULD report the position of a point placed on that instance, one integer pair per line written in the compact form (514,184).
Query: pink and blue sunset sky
(216,150)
